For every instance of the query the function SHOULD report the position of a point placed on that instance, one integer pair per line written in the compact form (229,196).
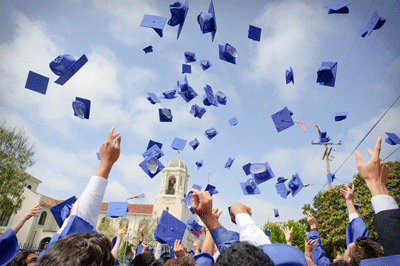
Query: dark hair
(87,249)
(243,253)
(160,261)
(20,259)
(364,249)
(182,261)
(143,259)
(340,263)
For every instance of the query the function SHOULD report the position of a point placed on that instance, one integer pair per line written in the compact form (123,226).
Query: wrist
(289,243)
(313,226)
(307,253)
(211,222)
(377,188)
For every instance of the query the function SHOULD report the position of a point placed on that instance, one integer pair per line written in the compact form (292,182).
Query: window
(4,219)
(29,187)
(42,218)
(171,186)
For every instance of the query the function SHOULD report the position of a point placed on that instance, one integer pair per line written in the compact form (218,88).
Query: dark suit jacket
(387,224)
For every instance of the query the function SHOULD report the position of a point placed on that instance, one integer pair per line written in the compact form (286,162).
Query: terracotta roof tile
(28,175)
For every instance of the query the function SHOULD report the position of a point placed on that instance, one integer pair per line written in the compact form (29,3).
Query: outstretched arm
(318,254)
(208,243)
(34,211)
(115,249)
(308,248)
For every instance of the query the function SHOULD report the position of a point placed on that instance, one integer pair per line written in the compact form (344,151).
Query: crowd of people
(78,243)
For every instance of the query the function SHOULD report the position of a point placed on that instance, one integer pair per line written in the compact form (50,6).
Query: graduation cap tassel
(304,125)
(319,130)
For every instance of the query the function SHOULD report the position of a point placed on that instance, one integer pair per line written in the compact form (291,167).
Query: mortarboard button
(37,82)
(153,98)
(169,229)
(289,76)
(295,184)
(207,21)
(117,209)
(246,168)
(169,94)
(392,139)
(211,189)
(59,210)
(205,64)
(339,7)
(194,143)
(148,49)
(375,23)
(190,57)
(186,69)
(276,212)
(152,143)
(331,177)
(283,119)
(211,133)
(267,232)
(229,163)
(199,164)
(165,115)
(340,116)
(254,33)
(178,15)
(153,151)
(221,97)
(178,144)
(66,66)
(261,172)
(98,156)
(233,121)
(155,22)
(208,98)
(327,74)
(227,53)
(197,111)
(81,108)
(151,166)
(250,187)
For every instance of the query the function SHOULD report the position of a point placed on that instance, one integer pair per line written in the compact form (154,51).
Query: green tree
(332,224)
(106,227)
(16,154)
(277,235)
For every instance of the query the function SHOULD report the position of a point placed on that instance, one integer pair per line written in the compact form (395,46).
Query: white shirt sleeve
(353,216)
(383,203)
(249,231)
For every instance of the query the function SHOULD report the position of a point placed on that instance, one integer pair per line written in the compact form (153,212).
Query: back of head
(340,263)
(20,259)
(243,253)
(143,259)
(182,261)
(364,248)
(160,261)
(80,249)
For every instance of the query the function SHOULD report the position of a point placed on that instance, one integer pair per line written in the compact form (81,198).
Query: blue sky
(118,75)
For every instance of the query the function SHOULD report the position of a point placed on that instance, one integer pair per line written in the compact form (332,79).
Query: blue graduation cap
(152,143)
(37,82)
(62,210)
(205,64)
(178,144)
(117,209)
(155,22)
(356,205)
(382,261)
(283,119)
(261,172)
(208,98)
(211,189)
(323,138)
(76,224)
(178,15)
(227,53)
(190,57)
(169,229)
(98,156)
(375,23)
(199,164)
(207,21)
(281,187)
(229,163)
(148,49)
(188,199)
(392,139)
(233,121)
(327,74)
(295,185)
(186,68)
(66,66)
(229,210)
(194,143)
(246,168)
(151,166)
(250,187)
(153,151)
(221,97)
(153,98)
(187,92)
(289,76)
(267,232)
(211,133)
(339,7)
(194,227)
(81,108)
(197,111)
(169,94)
(339,116)
(165,115)
(331,177)
(276,212)
(254,33)
(191,252)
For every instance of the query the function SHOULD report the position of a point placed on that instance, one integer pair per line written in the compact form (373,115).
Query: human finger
(352,188)
(377,150)
(110,134)
(116,135)
(343,192)
(370,152)
(219,214)
(118,142)
(359,159)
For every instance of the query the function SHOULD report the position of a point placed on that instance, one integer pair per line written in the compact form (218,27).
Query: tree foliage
(16,154)
(277,235)
(332,224)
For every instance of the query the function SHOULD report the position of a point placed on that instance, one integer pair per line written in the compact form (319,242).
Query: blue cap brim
(246,192)
(57,209)
(72,70)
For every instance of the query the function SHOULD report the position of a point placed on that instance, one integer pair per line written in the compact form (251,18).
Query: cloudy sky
(118,75)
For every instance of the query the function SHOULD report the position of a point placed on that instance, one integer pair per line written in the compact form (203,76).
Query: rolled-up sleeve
(222,238)
(249,231)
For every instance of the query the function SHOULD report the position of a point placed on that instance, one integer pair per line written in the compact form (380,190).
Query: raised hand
(34,211)
(109,153)
(288,235)
(238,208)
(142,227)
(215,213)
(311,220)
(309,246)
(348,193)
(178,249)
(121,232)
(144,245)
(202,203)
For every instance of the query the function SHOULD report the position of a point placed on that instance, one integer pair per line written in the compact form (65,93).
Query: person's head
(80,249)
(243,253)
(339,257)
(160,261)
(340,263)
(143,259)
(24,258)
(182,261)
(361,249)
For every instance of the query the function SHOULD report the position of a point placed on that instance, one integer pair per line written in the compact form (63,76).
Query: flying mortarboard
(117,209)
(187,92)
(208,98)
(267,232)
(165,115)
(246,168)
(205,64)
(327,74)
(153,98)
(207,21)
(151,166)
(254,33)
(81,108)
(211,189)
(62,210)
(227,53)
(199,164)
(229,163)
(339,116)
(197,111)
(37,82)
(281,187)
(169,229)
(194,228)
(221,97)
(375,23)
(250,187)
(233,121)
(289,76)
(66,66)
(186,68)
(339,7)
(392,139)
(76,225)
(323,138)
(191,253)
(194,143)
(295,185)
(178,144)
(148,49)
(155,22)
(178,15)
(153,151)
(190,57)
(98,156)
(188,199)
(261,172)
(169,94)
(211,133)
(331,177)
(283,119)
(276,212)
(151,144)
